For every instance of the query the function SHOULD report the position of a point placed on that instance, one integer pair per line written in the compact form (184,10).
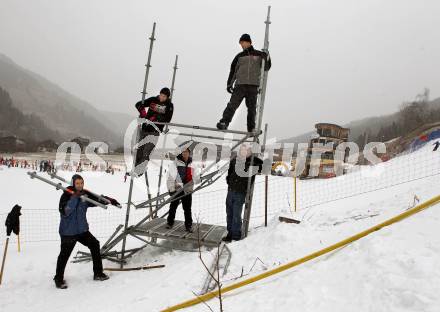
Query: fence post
(266,186)
(294,192)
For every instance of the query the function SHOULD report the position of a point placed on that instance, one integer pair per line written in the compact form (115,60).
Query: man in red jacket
(180,180)
(155,109)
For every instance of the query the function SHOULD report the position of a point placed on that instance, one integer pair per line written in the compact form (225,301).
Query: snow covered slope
(395,269)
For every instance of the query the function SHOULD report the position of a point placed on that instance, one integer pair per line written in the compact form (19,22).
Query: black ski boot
(169,226)
(100,277)
(60,283)
(227,238)
(189,229)
(221,125)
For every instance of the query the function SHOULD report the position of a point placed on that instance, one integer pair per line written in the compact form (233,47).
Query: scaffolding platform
(210,235)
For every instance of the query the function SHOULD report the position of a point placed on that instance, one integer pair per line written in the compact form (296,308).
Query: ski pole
(4,259)
(18,242)
(59,186)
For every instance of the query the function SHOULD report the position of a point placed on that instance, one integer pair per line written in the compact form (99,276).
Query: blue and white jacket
(73,212)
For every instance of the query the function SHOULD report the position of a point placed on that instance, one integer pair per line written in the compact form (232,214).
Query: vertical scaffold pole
(144,93)
(294,192)
(266,195)
(260,109)
(134,152)
(264,75)
(173,81)
(266,178)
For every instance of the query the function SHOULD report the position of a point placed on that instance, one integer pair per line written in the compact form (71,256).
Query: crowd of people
(49,165)
(90,166)
(24,163)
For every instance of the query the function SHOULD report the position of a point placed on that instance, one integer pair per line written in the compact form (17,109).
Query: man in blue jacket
(74,228)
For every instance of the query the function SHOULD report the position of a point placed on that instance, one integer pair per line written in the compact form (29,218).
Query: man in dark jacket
(155,109)
(74,228)
(179,176)
(237,179)
(245,73)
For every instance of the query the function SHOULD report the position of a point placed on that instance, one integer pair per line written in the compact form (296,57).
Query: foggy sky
(333,61)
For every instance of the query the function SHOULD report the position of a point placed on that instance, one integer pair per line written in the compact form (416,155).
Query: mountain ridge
(60,110)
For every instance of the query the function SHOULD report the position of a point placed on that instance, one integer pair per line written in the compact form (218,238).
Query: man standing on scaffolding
(181,178)
(237,179)
(245,73)
(155,109)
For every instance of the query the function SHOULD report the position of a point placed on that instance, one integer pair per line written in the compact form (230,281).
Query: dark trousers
(144,151)
(67,245)
(250,94)
(186,204)
(234,208)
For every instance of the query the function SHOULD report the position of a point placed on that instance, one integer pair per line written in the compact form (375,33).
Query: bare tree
(215,275)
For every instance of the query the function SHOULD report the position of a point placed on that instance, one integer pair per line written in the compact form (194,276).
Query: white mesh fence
(209,206)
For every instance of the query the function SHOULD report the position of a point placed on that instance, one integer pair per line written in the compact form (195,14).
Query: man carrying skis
(155,109)
(74,228)
(237,180)
(245,73)
(180,174)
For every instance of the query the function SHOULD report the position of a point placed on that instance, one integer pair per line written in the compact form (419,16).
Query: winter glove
(113,201)
(267,55)
(188,187)
(179,185)
(230,89)
(142,113)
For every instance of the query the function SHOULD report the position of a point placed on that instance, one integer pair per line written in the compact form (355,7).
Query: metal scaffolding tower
(153,227)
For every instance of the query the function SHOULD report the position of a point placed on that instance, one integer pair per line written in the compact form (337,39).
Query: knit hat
(165,91)
(245,37)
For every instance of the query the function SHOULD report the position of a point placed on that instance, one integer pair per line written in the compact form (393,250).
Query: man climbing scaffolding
(155,109)
(245,73)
